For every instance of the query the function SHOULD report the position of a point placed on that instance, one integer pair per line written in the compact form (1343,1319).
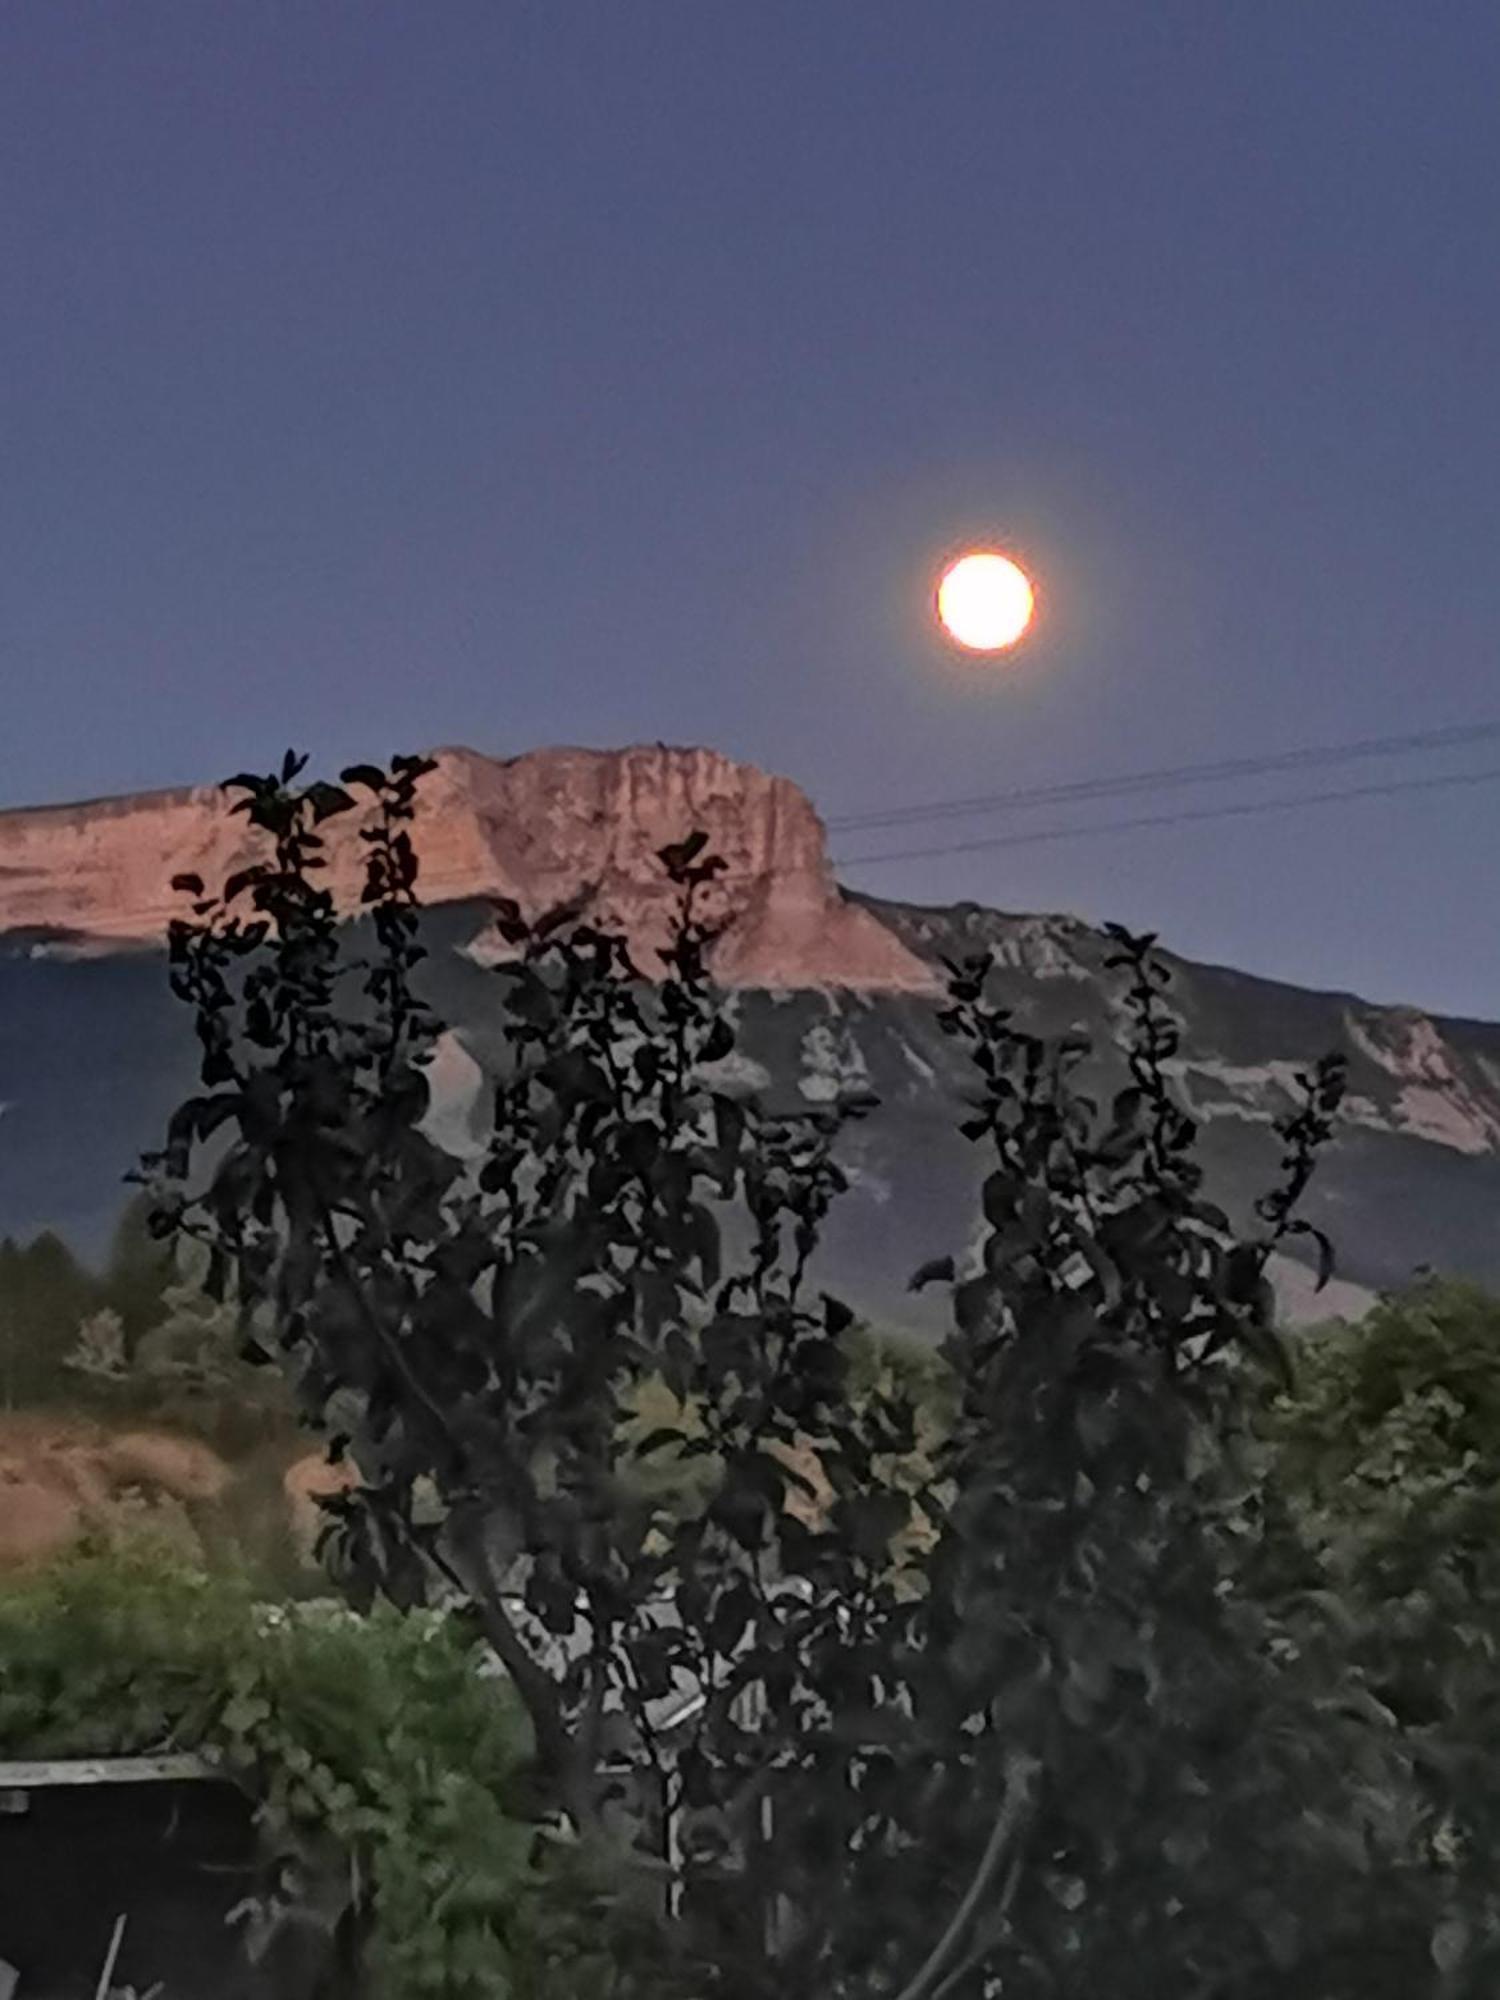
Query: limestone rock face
(541,828)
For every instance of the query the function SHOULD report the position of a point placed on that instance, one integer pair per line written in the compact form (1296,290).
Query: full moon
(985,601)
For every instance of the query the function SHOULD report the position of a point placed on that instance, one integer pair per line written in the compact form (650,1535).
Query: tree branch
(976,1953)
(925,1984)
(532,1682)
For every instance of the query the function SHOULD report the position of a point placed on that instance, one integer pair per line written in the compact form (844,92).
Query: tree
(137,1272)
(183,1367)
(1048,1741)
(44,1295)
(1386,1458)
(1389,1440)
(99,1356)
(47,1299)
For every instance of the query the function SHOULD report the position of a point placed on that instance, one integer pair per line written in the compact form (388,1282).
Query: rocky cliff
(540,828)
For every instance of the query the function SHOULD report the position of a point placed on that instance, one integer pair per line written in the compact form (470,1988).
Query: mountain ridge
(829,987)
(539,828)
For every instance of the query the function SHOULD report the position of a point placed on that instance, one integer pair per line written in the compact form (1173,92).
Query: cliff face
(539,828)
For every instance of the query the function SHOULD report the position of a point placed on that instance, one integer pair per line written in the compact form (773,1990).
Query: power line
(1238,811)
(1170,777)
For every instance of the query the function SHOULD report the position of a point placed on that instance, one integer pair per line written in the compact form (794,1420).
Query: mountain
(537,828)
(829,989)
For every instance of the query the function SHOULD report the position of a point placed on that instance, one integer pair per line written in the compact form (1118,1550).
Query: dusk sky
(378,376)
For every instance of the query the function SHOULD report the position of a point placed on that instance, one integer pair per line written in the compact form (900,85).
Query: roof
(41,1773)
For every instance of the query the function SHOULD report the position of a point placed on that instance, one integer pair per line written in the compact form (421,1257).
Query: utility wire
(1129,783)
(1239,811)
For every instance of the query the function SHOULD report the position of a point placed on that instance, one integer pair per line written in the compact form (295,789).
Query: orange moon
(985,601)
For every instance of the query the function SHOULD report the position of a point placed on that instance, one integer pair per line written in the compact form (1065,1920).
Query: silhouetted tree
(1009,1723)
(45,1293)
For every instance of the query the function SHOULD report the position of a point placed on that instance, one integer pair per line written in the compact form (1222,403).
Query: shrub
(374,1741)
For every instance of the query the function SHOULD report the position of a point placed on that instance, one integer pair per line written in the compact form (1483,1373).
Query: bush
(1385,1474)
(375,1740)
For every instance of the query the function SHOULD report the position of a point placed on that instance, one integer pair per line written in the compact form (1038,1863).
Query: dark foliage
(1011,1720)
(46,1295)
(1386,1459)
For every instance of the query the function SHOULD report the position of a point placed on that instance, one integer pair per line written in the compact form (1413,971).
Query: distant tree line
(137,1338)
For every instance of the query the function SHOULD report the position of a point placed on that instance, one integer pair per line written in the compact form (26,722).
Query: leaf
(729,1131)
(1000,1197)
(369,775)
(200,1117)
(326,801)
(1449,1943)
(971,1303)
(679,854)
(730,1618)
(1281,1932)
(701,1233)
(188,885)
(1101,1264)
(1325,1249)
(241,880)
(718,1043)
(937,1271)
(658,1440)
(837,1317)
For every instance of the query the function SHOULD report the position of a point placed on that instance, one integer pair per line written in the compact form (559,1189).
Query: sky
(378,376)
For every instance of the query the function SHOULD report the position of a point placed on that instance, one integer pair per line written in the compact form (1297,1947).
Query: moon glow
(985,601)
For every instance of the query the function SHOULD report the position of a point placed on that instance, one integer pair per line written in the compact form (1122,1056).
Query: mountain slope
(828,988)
